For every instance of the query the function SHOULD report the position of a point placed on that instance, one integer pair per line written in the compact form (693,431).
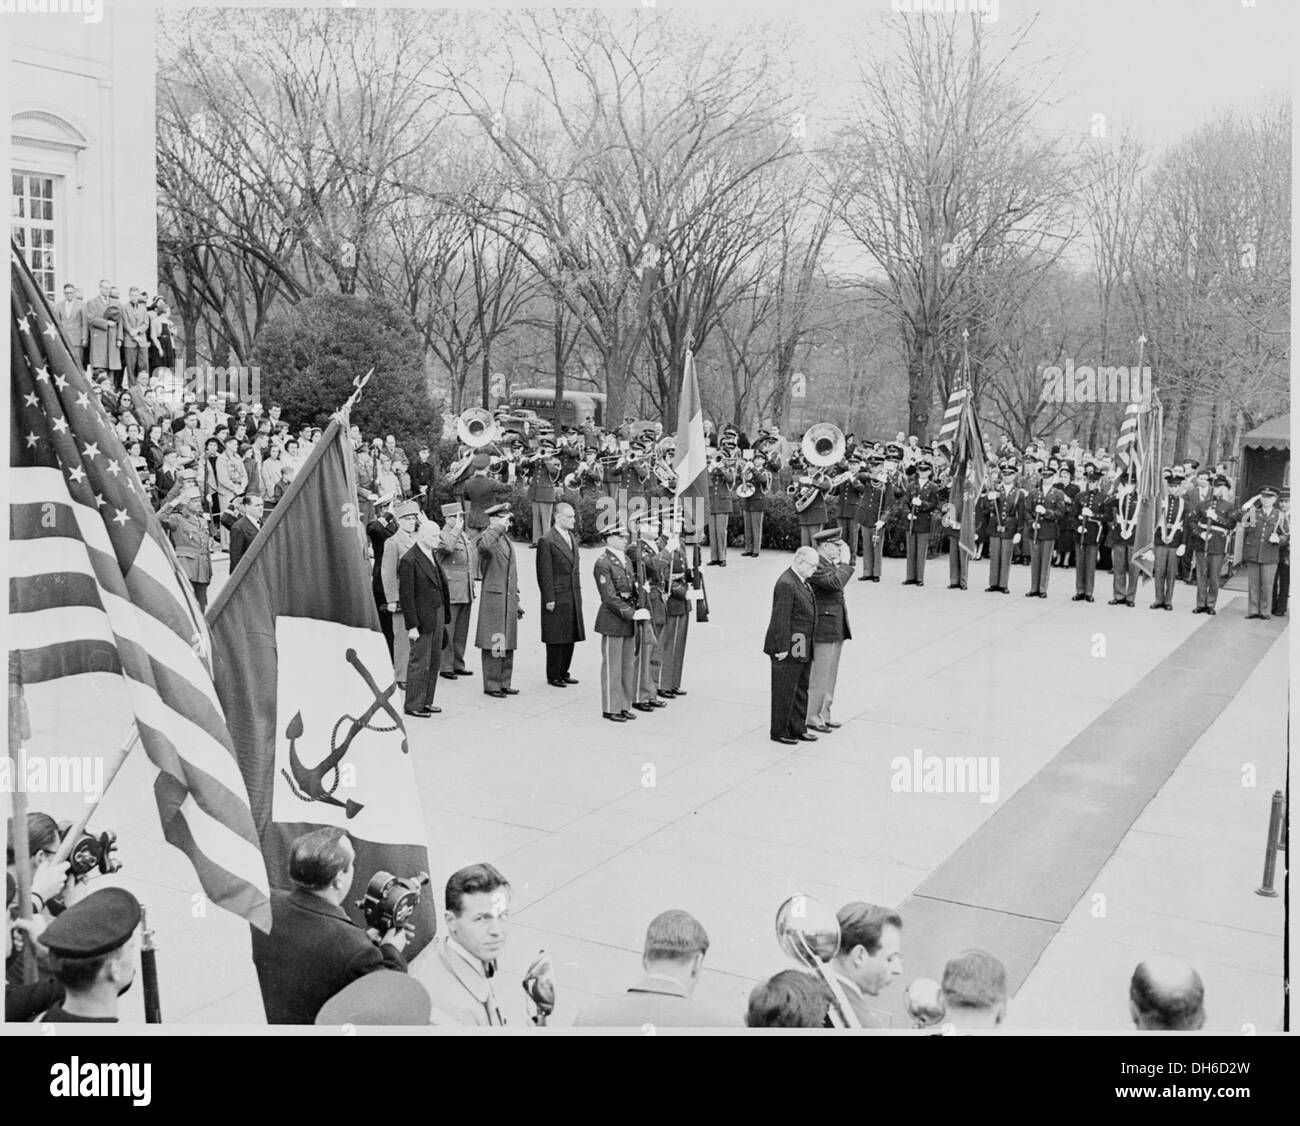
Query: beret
(381,997)
(94,926)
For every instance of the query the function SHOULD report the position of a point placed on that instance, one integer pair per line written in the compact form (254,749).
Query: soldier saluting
(191,538)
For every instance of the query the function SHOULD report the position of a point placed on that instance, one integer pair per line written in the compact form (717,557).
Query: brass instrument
(809,932)
(663,466)
(822,446)
(475,428)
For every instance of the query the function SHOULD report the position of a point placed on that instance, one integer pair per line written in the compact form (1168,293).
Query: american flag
(94,586)
(1127,449)
(961,439)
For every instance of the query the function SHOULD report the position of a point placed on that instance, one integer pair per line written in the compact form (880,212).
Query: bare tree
(946,178)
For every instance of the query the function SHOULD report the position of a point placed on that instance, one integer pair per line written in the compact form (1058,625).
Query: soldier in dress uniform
(191,536)
(1265,531)
(1121,517)
(1171,518)
(831,631)
(652,575)
(877,499)
(1001,511)
(924,497)
(816,516)
(676,610)
(480,493)
(1045,505)
(1209,524)
(845,500)
(455,552)
(1200,489)
(1090,529)
(760,472)
(617,621)
(722,479)
(499,611)
(544,488)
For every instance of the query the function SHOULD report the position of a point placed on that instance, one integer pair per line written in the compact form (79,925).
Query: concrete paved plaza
(601,826)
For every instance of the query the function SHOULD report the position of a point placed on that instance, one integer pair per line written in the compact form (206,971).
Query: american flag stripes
(95,587)
(962,441)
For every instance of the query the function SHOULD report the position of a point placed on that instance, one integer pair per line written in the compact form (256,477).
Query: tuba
(808,931)
(823,445)
(475,428)
(663,466)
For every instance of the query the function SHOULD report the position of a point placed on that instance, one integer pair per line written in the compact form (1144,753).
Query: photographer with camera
(314,949)
(55,887)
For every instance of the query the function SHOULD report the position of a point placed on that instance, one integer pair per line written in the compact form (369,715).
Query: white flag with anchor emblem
(341,756)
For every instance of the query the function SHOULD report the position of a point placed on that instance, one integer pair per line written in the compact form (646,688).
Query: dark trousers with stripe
(1123,572)
(1000,552)
(918,543)
(1281,584)
(558,659)
(1165,571)
(1040,564)
(871,543)
(958,563)
(789,697)
(672,642)
(718,536)
(849,533)
(1085,569)
(1208,569)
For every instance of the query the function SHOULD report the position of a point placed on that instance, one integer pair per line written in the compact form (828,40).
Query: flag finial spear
(360,385)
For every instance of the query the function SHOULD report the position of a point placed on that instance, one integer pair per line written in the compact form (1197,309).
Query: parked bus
(577,408)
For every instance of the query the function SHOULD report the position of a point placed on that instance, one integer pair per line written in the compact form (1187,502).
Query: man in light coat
(499,611)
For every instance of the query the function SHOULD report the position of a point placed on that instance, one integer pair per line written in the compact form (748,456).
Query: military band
(848,500)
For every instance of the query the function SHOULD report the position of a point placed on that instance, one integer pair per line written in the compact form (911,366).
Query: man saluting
(789,644)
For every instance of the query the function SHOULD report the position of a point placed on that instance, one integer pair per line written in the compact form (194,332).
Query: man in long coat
(560,582)
(498,610)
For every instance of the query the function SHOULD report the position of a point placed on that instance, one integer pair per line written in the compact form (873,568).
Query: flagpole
(73,835)
(19,731)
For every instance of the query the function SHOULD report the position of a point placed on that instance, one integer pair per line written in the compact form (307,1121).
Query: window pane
(19,236)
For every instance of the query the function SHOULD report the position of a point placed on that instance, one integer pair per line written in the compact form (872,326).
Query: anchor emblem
(308,783)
